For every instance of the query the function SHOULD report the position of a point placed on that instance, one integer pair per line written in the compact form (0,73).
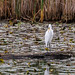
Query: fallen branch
(26,18)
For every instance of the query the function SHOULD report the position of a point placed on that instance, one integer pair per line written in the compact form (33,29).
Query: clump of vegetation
(38,10)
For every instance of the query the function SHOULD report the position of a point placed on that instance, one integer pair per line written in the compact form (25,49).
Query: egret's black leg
(47,46)
(50,46)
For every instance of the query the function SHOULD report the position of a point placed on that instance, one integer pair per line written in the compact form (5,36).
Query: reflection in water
(37,67)
(46,71)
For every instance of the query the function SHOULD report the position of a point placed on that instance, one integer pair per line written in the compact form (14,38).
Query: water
(24,38)
(37,67)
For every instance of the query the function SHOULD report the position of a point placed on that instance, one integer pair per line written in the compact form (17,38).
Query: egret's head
(49,27)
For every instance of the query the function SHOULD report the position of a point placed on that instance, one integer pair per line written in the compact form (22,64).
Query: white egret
(46,71)
(48,36)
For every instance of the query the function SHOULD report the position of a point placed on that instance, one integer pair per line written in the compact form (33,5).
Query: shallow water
(24,38)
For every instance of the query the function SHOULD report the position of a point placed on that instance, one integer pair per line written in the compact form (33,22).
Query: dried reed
(30,9)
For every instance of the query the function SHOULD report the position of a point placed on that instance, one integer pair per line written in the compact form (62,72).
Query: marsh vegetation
(23,24)
(38,10)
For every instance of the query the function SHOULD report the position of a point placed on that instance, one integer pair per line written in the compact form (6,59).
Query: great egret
(48,36)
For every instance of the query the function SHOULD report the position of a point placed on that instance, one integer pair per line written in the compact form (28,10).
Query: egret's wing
(51,34)
(46,37)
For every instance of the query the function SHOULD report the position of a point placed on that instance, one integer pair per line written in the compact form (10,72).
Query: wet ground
(24,38)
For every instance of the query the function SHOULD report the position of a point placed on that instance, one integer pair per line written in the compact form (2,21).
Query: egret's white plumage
(48,36)
(46,71)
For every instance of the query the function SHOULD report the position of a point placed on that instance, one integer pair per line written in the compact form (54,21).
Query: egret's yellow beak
(49,28)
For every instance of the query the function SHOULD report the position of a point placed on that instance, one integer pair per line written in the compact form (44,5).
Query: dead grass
(52,9)
(1,8)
